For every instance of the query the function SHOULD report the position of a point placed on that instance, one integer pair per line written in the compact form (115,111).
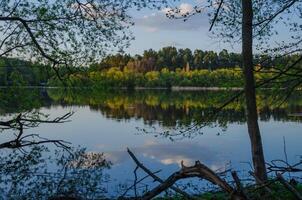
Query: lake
(163,128)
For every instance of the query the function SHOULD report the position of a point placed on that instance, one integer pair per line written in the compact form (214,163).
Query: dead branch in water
(198,170)
(155,177)
(281,166)
(237,192)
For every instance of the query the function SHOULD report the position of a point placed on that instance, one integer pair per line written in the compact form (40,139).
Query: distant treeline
(18,72)
(164,68)
(173,58)
(172,67)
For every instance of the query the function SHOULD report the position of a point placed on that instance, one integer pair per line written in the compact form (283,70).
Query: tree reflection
(168,108)
(34,167)
(31,169)
(38,174)
(30,120)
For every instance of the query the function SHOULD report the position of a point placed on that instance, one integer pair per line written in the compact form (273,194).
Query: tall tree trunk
(250,93)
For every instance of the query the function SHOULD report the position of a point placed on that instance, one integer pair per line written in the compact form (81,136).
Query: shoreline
(173,88)
(137,88)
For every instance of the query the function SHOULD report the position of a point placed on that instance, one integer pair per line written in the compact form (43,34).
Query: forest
(164,68)
(19,72)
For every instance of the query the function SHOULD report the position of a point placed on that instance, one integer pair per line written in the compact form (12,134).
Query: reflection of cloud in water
(172,153)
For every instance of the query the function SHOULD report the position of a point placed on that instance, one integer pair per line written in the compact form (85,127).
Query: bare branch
(281,10)
(33,38)
(156,178)
(216,15)
(198,170)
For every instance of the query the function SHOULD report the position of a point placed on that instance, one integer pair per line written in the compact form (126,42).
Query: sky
(153,30)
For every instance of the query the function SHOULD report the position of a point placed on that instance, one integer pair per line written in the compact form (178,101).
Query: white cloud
(151,29)
(166,10)
(168,154)
(158,21)
(171,43)
(185,8)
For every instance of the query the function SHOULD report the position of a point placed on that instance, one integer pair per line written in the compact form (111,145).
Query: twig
(129,188)
(297,195)
(239,185)
(216,15)
(264,185)
(156,178)
(135,181)
(285,152)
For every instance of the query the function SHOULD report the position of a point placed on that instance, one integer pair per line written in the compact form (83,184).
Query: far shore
(173,88)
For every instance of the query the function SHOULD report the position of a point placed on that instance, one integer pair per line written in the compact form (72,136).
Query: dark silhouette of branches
(20,123)
(33,38)
(198,170)
(155,177)
(216,15)
(282,166)
(289,187)
(239,191)
(136,182)
(278,12)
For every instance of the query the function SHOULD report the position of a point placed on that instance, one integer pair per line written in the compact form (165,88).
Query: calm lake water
(112,121)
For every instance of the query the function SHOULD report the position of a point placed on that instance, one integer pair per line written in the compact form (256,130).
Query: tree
(150,57)
(185,57)
(17,79)
(65,32)
(211,60)
(256,22)
(250,91)
(198,61)
(118,60)
(224,59)
(168,57)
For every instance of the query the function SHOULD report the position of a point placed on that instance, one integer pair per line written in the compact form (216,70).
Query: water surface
(112,121)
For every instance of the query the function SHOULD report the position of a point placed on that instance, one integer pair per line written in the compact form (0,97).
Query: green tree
(253,22)
(17,79)
(168,57)
(66,32)
(185,57)
(224,59)
(198,59)
(210,60)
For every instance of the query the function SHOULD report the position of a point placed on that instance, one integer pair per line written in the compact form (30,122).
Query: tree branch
(156,178)
(33,38)
(216,15)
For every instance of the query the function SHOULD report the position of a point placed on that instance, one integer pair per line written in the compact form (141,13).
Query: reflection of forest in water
(166,107)
(72,174)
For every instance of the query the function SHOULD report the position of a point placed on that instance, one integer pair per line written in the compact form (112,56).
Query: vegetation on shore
(278,192)
(114,77)
(171,67)
(164,68)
